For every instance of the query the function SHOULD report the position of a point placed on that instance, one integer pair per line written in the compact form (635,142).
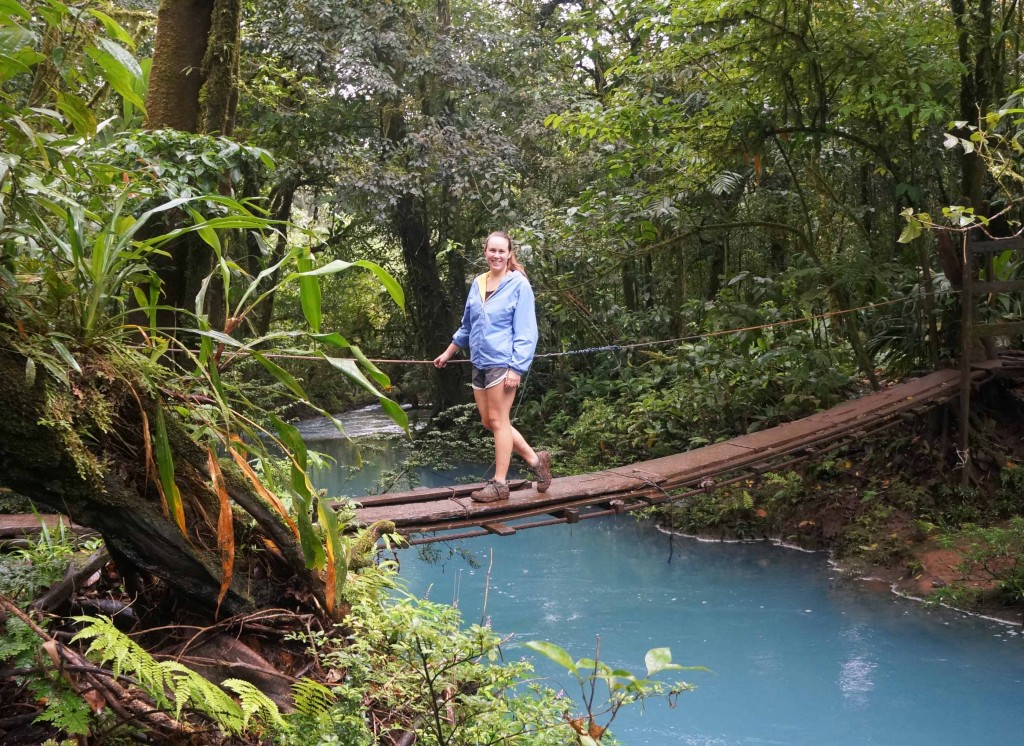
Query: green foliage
(786,489)
(25,572)
(412,666)
(622,687)
(175,688)
(700,392)
(90,223)
(728,512)
(994,553)
(19,650)
(957,596)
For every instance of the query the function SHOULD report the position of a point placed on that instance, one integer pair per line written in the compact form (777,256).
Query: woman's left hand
(512,379)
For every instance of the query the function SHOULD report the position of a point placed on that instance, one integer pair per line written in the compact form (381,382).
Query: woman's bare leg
(495,407)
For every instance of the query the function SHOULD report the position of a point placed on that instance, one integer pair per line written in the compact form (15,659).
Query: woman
(499,326)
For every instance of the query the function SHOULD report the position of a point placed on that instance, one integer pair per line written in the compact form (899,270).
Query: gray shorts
(485,378)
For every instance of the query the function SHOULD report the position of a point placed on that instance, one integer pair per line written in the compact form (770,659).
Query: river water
(797,654)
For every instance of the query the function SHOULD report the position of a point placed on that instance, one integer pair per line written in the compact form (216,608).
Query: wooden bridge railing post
(966,312)
(969,330)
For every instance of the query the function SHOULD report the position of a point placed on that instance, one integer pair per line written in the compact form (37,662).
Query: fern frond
(189,689)
(725,182)
(175,687)
(255,702)
(312,699)
(110,645)
(67,712)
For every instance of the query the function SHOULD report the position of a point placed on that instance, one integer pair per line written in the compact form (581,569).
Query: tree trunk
(218,98)
(716,267)
(978,82)
(193,88)
(182,31)
(281,210)
(431,312)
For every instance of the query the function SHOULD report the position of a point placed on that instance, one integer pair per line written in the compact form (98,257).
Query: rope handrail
(653,343)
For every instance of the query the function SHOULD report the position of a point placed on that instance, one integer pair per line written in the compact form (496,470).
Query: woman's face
(496,252)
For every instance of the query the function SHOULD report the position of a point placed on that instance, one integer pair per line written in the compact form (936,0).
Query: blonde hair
(513,263)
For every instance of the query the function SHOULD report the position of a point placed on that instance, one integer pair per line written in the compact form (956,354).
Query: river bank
(892,507)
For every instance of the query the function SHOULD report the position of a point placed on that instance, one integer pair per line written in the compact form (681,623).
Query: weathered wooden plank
(647,481)
(28,525)
(1005,329)
(997,286)
(424,495)
(500,529)
(997,246)
(461,508)
(571,515)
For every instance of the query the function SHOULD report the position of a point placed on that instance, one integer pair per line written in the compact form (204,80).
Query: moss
(58,415)
(220,68)
(364,547)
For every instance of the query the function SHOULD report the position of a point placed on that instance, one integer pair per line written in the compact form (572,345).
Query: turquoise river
(798,654)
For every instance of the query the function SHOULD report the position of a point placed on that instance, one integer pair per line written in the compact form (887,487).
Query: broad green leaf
(395,412)
(219,337)
(113,27)
(122,55)
(292,440)
(910,231)
(350,368)
(169,493)
(372,370)
(338,265)
(337,553)
(11,8)
(77,112)
(121,76)
(281,375)
(208,234)
(66,355)
(309,539)
(14,39)
(660,659)
(201,298)
(333,338)
(309,291)
(556,653)
(34,138)
(11,66)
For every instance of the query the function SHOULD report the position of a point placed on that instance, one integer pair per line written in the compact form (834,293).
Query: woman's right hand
(442,360)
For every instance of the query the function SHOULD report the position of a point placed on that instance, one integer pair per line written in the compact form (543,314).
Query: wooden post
(966,313)
(985,331)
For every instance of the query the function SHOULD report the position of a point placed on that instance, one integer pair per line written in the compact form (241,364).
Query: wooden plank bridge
(447,513)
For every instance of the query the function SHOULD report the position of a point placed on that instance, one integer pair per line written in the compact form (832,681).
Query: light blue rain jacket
(501,332)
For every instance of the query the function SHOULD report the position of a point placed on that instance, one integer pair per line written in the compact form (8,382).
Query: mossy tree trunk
(81,450)
(193,87)
(431,309)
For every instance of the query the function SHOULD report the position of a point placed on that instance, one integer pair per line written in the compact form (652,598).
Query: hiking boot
(491,493)
(543,470)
